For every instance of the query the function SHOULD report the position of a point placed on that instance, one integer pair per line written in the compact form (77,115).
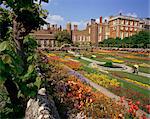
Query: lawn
(135,77)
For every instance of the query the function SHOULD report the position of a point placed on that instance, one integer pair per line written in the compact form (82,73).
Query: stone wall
(43,107)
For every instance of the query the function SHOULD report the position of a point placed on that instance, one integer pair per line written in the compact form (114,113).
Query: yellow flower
(117,61)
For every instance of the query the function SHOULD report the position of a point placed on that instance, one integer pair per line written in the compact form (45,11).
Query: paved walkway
(124,68)
(102,90)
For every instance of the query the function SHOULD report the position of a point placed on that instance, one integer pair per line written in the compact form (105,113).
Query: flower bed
(103,80)
(70,63)
(138,83)
(74,99)
(130,94)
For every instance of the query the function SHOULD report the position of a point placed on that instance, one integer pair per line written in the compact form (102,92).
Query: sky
(81,11)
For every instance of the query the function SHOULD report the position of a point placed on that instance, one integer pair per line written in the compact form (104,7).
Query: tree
(17,51)
(140,39)
(63,37)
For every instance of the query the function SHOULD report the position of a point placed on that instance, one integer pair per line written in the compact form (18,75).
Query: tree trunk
(13,94)
(18,41)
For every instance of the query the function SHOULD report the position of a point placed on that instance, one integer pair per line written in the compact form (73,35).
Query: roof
(124,17)
(43,36)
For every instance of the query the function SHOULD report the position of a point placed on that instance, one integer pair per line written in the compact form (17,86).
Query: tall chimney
(93,21)
(101,19)
(48,26)
(75,27)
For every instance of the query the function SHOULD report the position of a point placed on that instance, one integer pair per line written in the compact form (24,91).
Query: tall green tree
(63,37)
(17,51)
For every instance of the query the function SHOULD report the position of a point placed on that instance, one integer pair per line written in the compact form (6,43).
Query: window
(89,30)
(126,34)
(131,23)
(136,24)
(114,28)
(45,43)
(100,30)
(141,25)
(121,35)
(131,29)
(122,22)
(127,22)
(114,22)
(121,28)
(126,28)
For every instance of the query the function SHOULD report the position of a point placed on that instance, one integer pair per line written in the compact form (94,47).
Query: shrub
(108,64)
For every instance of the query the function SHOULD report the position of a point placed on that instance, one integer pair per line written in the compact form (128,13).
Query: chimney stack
(93,21)
(101,19)
(48,26)
(75,27)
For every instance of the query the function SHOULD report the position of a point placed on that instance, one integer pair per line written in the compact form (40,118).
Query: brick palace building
(117,26)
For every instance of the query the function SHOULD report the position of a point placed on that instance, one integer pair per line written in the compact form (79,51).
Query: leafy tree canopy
(63,37)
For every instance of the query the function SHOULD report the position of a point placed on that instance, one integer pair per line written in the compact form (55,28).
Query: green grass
(128,85)
(82,61)
(144,69)
(135,77)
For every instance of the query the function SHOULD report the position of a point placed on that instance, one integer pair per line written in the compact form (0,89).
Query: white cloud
(128,13)
(97,20)
(54,19)
(132,14)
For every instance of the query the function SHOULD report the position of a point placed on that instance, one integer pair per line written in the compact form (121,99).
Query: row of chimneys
(93,21)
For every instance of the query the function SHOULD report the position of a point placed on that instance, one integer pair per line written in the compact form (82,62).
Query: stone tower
(94,32)
(68,27)
(69,30)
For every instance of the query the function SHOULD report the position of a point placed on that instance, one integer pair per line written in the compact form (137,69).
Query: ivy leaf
(2,66)
(30,69)
(38,82)
(35,56)
(29,58)
(2,78)
(6,59)
(4,45)
(29,72)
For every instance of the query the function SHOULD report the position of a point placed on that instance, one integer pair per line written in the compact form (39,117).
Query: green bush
(108,64)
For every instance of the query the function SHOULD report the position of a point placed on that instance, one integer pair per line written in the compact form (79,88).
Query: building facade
(124,26)
(116,26)
(45,37)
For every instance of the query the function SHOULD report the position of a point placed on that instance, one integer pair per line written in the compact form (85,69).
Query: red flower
(136,107)
(144,116)
(122,99)
(138,102)
(130,102)
(147,106)
(130,110)
(132,106)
